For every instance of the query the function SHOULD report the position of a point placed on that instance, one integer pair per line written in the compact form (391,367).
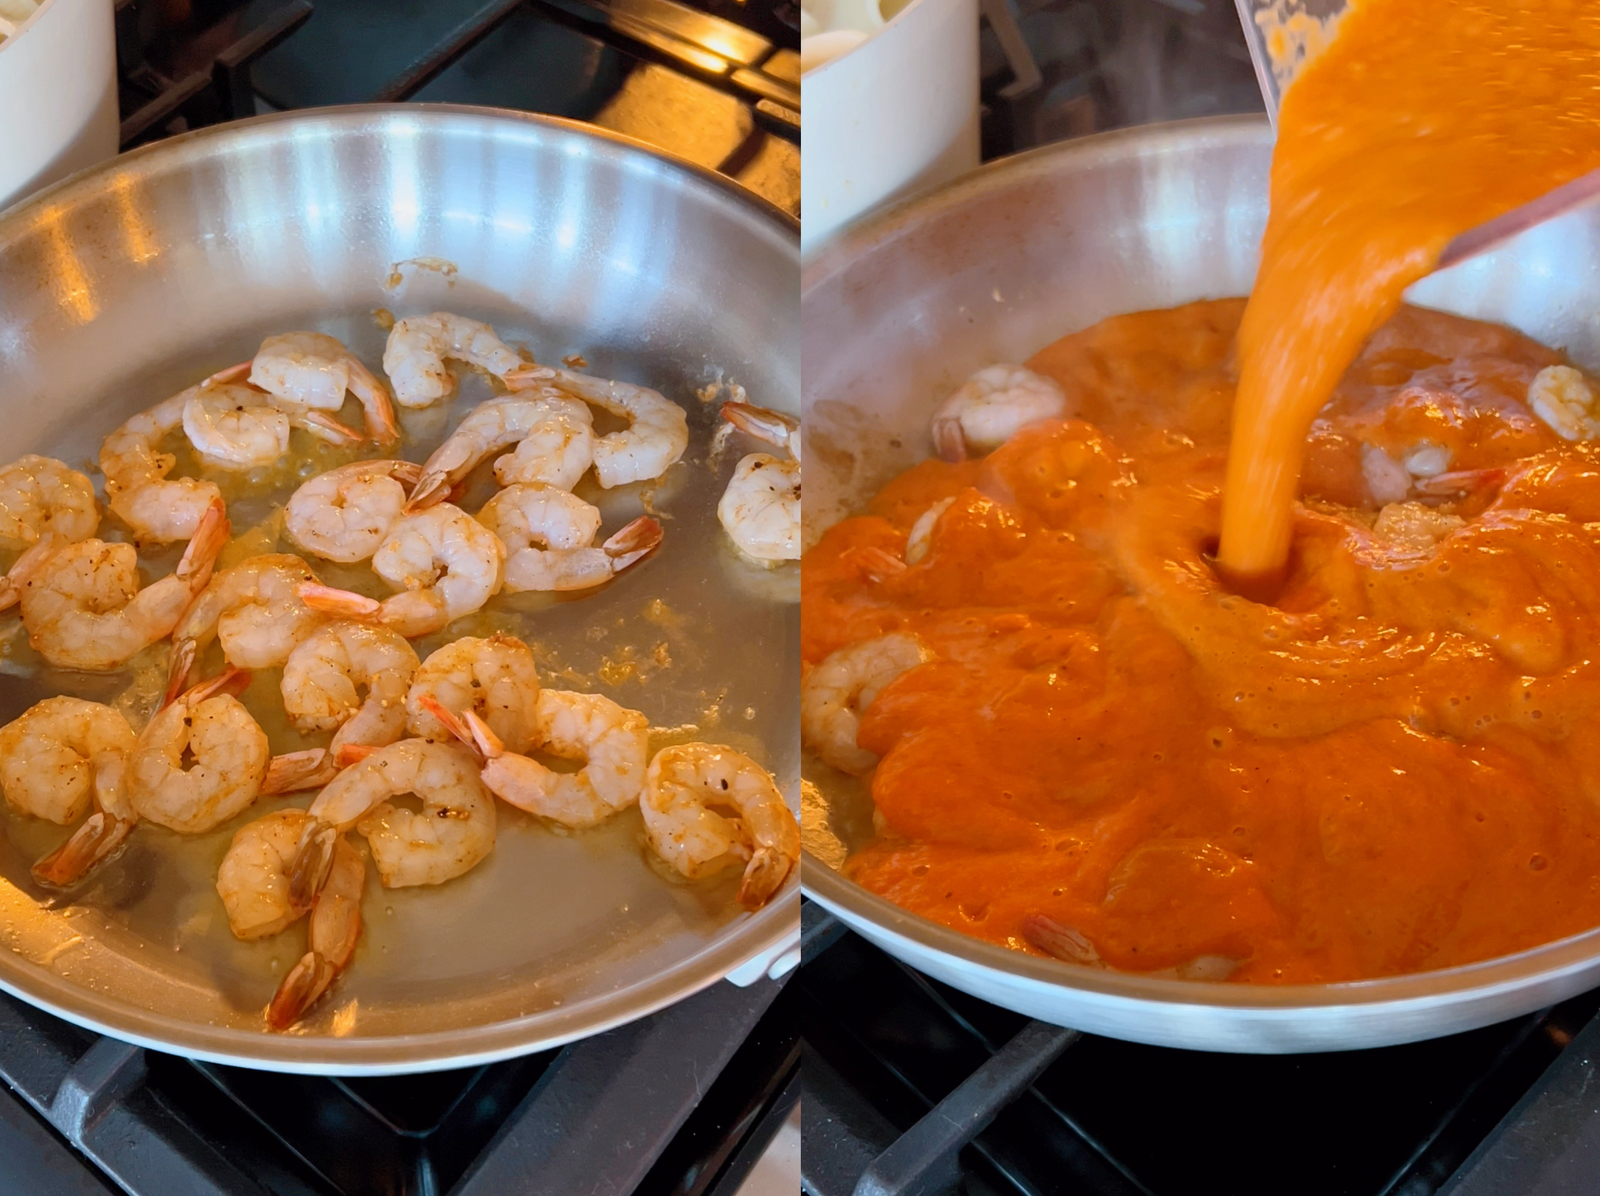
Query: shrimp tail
(325,427)
(301,988)
(949,439)
(527,376)
(774,427)
(467,727)
(26,567)
(335,928)
(209,538)
(347,754)
(633,543)
(877,564)
(295,772)
(231,680)
(337,602)
(178,670)
(232,374)
(1058,939)
(100,837)
(312,863)
(763,876)
(432,487)
(376,405)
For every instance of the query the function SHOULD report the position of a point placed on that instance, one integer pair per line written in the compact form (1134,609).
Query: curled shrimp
(253,882)
(47,756)
(156,507)
(83,607)
(613,743)
(101,835)
(657,432)
(201,760)
(236,427)
(761,507)
(548,535)
(685,788)
(311,371)
(991,407)
(254,609)
(836,691)
(327,673)
(499,423)
(419,346)
(335,926)
(454,831)
(444,563)
(495,678)
(343,514)
(42,498)
(43,503)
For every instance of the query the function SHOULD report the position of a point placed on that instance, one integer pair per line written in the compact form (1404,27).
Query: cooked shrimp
(200,761)
(312,371)
(920,539)
(47,756)
(156,507)
(254,608)
(101,835)
(330,942)
(612,741)
(837,690)
(657,432)
(557,451)
(452,834)
(343,514)
(549,416)
(327,673)
(83,607)
(761,507)
(1563,398)
(991,407)
(445,563)
(684,788)
(42,498)
(495,678)
(237,427)
(420,345)
(548,532)
(253,879)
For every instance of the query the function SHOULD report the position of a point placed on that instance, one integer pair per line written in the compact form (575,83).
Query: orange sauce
(1421,119)
(1395,767)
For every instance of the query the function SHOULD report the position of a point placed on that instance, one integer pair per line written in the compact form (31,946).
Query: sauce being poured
(1420,120)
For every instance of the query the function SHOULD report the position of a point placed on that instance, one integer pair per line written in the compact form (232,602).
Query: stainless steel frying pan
(125,284)
(992,269)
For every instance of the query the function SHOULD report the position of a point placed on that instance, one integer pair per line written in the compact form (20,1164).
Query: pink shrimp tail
(207,543)
(633,543)
(232,680)
(295,772)
(772,426)
(232,374)
(337,602)
(467,727)
(93,843)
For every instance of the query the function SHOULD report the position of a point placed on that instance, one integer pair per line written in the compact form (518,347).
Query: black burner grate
(1120,1118)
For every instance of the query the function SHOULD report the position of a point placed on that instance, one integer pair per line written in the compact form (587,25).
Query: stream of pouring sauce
(1420,120)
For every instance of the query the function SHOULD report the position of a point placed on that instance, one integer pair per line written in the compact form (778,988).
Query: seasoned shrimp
(330,942)
(253,879)
(326,674)
(495,678)
(254,608)
(101,835)
(200,761)
(549,417)
(548,532)
(684,789)
(612,742)
(991,407)
(42,498)
(837,690)
(452,834)
(657,434)
(156,507)
(761,507)
(445,563)
(47,756)
(83,607)
(237,427)
(420,345)
(557,450)
(1562,397)
(311,371)
(344,514)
